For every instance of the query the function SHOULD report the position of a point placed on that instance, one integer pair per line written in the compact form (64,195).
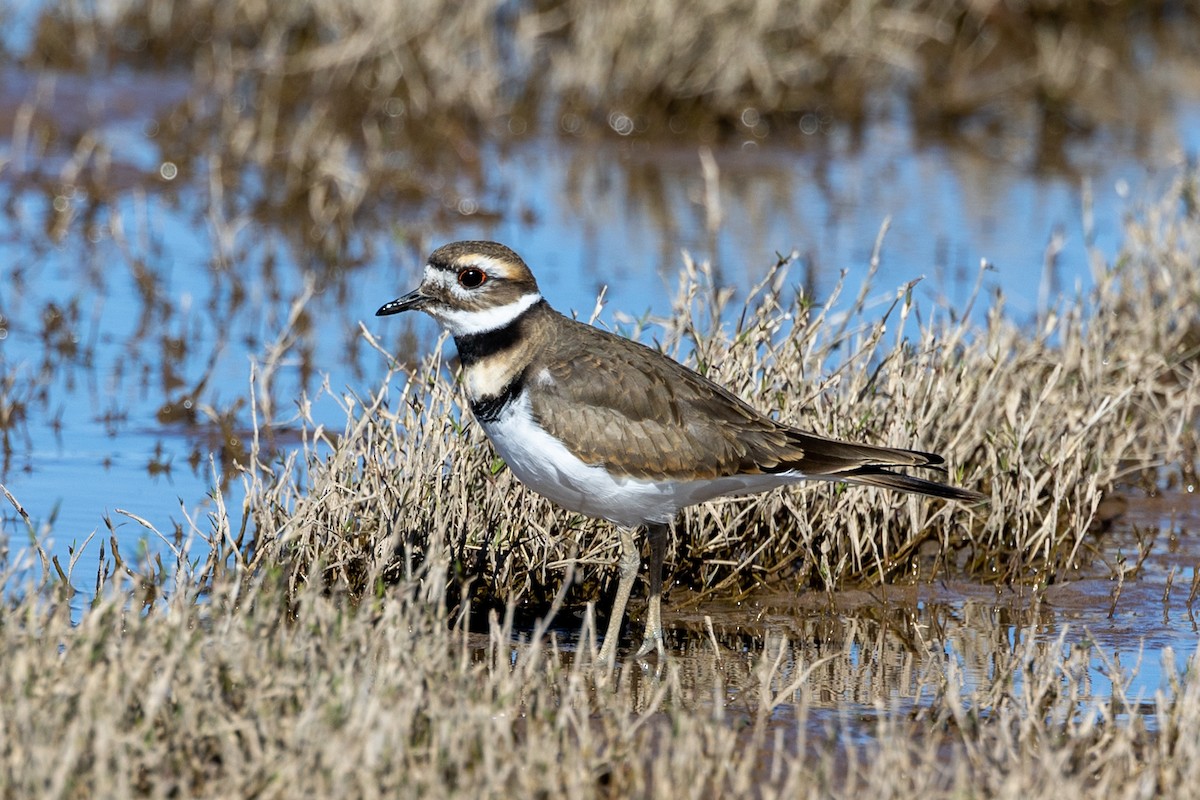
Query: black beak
(413,299)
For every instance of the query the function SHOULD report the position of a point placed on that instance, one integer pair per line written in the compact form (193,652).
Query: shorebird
(607,427)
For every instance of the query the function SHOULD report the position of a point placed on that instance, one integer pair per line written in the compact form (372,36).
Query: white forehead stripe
(439,277)
(462,322)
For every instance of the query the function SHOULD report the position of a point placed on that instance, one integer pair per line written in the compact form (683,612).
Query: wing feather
(615,402)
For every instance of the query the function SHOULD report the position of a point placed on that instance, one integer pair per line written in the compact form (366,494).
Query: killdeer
(610,428)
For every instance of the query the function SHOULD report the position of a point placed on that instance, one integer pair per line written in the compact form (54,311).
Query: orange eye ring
(472,277)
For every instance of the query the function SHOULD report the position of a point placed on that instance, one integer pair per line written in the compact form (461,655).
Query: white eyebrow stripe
(492,266)
(496,267)
(463,322)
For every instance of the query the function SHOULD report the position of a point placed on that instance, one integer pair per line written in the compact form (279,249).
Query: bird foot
(653,642)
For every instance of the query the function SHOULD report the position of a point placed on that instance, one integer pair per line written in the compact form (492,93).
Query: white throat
(469,322)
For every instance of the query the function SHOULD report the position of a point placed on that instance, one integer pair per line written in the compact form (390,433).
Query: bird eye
(472,277)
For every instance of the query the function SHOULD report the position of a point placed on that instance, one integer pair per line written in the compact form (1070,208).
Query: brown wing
(615,402)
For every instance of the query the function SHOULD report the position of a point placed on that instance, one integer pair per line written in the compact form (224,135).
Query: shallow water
(858,656)
(131,315)
(119,313)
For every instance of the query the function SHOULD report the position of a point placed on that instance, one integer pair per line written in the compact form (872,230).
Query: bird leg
(653,638)
(628,565)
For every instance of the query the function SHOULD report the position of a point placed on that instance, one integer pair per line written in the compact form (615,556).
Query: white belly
(545,465)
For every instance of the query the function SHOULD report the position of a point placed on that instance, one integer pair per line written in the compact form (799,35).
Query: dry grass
(324,638)
(253,689)
(318,640)
(1103,394)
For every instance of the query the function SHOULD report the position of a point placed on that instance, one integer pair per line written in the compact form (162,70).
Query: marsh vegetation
(368,604)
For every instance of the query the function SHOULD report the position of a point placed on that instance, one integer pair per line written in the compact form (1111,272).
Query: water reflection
(858,656)
(817,666)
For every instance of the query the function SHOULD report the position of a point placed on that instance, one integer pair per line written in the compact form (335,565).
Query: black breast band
(489,409)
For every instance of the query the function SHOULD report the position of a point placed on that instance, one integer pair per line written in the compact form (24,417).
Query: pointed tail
(830,459)
(878,476)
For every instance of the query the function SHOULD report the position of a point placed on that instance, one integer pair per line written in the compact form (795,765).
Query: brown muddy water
(133,313)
